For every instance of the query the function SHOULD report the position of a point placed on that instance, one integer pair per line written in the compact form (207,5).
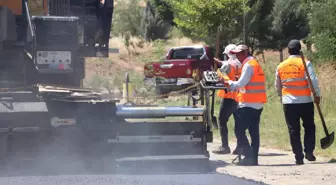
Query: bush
(127,19)
(323,29)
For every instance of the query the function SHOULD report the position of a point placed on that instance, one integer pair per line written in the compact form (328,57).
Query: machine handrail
(32,32)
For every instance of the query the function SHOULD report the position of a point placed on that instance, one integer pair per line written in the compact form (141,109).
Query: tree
(199,19)
(323,28)
(258,24)
(289,21)
(308,5)
(127,19)
(163,10)
(157,20)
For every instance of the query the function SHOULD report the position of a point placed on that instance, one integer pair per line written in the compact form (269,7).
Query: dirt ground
(278,167)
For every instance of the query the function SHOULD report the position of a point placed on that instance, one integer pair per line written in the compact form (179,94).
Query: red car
(176,71)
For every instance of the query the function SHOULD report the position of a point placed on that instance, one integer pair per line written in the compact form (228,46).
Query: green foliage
(159,47)
(158,52)
(270,24)
(163,10)
(127,19)
(289,21)
(176,33)
(200,19)
(323,29)
(258,24)
(156,20)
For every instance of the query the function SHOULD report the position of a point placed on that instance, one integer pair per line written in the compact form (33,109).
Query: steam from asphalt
(63,161)
(43,157)
(68,152)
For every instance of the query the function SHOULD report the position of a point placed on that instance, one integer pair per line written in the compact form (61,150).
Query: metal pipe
(29,20)
(157,112)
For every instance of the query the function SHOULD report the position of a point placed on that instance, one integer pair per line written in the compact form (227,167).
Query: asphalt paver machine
(42,121)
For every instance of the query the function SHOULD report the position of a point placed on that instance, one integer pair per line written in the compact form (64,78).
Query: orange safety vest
(292,76)
(255,90)
(233,75)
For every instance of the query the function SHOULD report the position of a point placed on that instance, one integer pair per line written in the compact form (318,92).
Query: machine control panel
(211,77)
(53,57)
(211,80)
(54,61)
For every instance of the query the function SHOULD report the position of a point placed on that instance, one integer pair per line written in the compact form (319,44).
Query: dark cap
(294,44)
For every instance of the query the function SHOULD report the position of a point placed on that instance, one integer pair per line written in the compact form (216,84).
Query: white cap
(239,49)
(229,48)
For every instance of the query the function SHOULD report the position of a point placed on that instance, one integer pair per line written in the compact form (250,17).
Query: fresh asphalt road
(73,174)
(180,179)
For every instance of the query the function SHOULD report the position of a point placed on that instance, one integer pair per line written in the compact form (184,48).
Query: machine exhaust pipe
(157,112)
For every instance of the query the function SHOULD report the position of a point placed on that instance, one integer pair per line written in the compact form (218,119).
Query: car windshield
(187,53)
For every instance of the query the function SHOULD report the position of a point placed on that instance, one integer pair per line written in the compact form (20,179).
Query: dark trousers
(293,114)
(228,107)
(248,118)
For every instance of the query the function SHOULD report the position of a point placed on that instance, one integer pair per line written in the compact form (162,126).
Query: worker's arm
(278,85)
(313,78)
(224,71)
(244,79)
(225,68)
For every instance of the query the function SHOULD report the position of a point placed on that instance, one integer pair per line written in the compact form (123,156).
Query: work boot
(222,150)
(310,157)
(299,162)
(248,162)
(299,159)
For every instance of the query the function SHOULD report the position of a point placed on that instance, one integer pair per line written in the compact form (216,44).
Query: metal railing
(29,48)
(31,29)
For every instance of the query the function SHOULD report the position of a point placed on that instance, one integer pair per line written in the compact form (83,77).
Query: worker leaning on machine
(251,99)
(230,70)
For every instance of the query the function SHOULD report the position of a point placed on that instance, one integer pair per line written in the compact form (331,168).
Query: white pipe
(157,112)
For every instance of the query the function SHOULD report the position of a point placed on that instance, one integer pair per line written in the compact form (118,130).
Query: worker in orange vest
(231,69)
(251,99)
(292,86)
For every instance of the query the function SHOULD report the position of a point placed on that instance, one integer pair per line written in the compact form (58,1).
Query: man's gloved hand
(317,100)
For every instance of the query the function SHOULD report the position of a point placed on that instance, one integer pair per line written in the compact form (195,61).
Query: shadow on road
(272,154)
(279,165)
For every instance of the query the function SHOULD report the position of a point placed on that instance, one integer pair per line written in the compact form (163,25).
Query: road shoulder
(277,167)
